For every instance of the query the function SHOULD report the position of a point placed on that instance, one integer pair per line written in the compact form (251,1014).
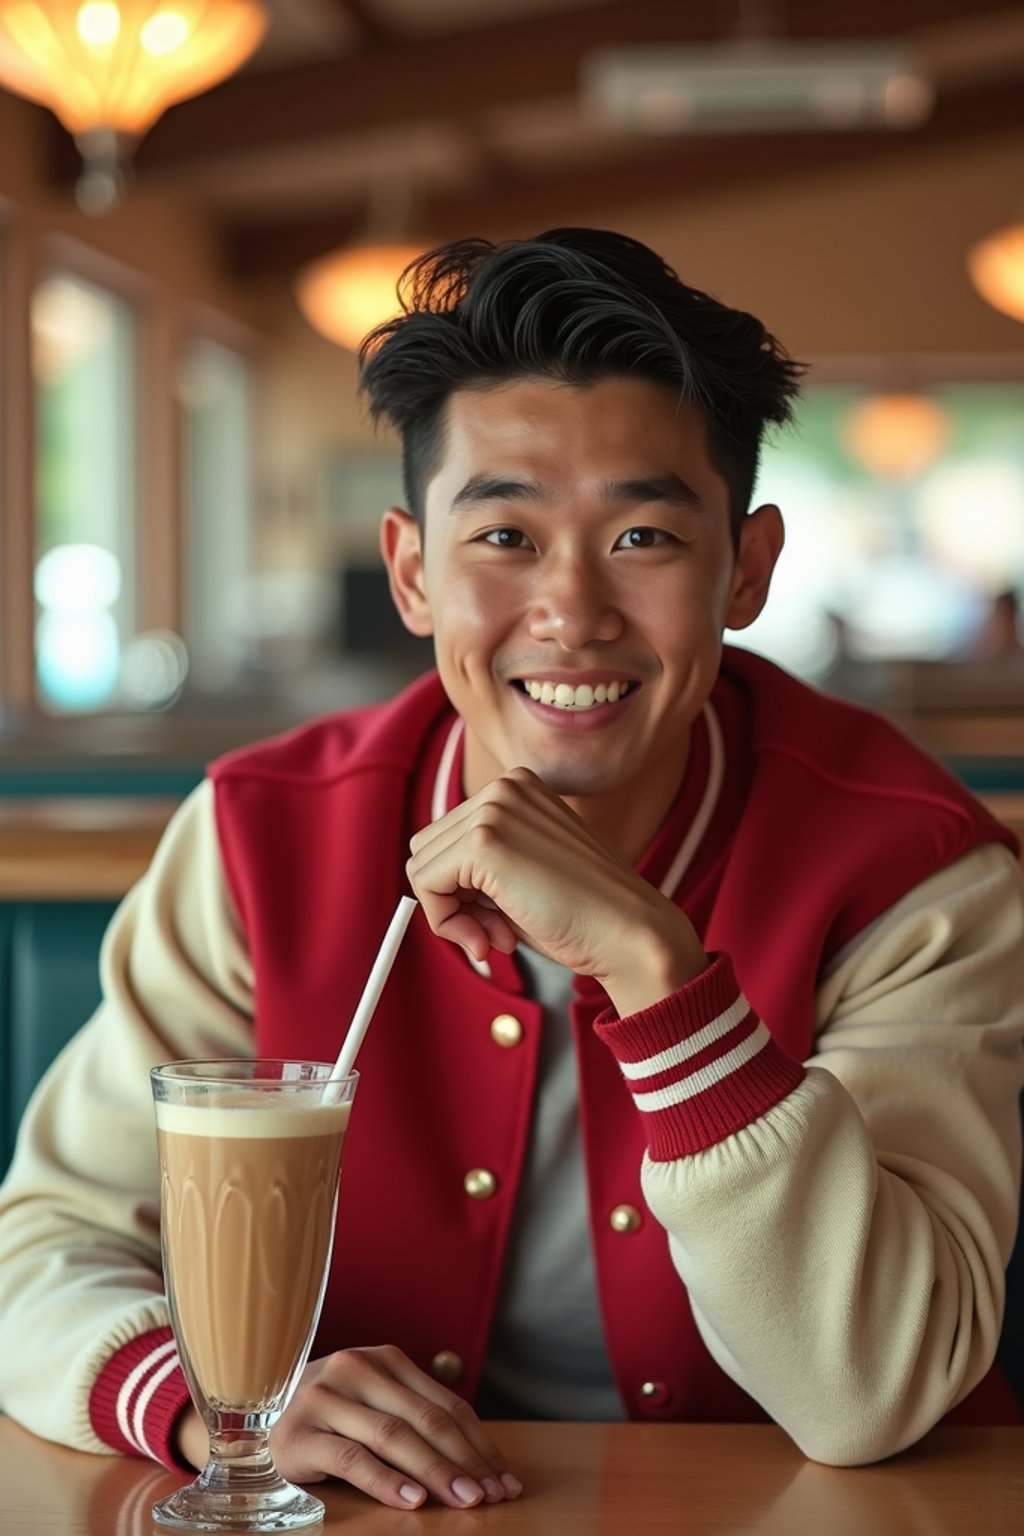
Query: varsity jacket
(802,1167)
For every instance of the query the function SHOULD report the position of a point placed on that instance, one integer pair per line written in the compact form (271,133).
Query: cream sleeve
(845,1252)
(79,1216)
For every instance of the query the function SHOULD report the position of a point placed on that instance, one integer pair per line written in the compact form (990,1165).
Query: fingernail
(492,1488)
(466,1491)
(512,1486)
(411,1494)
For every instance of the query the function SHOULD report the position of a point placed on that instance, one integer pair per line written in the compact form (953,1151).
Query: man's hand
(515,862)
(375,1420)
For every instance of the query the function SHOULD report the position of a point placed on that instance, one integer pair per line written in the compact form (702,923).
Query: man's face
(577,543)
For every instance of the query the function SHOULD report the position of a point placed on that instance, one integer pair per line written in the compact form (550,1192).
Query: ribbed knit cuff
(699,1064)
(137,1398)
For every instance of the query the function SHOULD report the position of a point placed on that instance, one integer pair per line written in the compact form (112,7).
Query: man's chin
(573,780)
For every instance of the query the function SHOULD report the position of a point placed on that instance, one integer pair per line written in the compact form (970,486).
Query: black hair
(577,306)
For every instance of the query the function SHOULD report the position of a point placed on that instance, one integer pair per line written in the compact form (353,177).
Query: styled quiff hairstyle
(574,306)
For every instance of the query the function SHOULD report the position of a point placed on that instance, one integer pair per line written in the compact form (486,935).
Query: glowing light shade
(346,294)
(108,68)
(896,436)
(117,66)
(996,268)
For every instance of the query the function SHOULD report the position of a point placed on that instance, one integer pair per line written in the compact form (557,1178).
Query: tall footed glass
(250,1153)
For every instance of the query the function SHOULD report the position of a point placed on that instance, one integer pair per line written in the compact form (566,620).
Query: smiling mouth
(584,696)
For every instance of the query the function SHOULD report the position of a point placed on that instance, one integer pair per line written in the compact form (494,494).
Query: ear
(762,536)
(402,550)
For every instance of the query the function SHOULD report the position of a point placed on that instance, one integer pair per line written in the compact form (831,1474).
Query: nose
(573,604)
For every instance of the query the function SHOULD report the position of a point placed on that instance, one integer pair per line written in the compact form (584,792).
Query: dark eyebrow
(495,488)
(669,488)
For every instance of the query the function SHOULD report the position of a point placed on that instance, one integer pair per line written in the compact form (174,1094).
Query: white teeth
(565,696)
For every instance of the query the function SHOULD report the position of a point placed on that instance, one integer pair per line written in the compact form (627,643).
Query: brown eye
(507,538)
(642,538)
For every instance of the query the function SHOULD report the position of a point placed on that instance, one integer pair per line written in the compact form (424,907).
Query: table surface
(594,1480)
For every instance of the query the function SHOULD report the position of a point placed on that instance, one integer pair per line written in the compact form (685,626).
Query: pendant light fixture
(896,436)
(345,294)
(109,68)
(996,268)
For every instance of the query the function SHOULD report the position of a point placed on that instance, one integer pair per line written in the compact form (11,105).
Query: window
(902,529)
(83,360)
(214,392)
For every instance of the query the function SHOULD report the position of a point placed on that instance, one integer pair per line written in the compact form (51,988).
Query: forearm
(843,1242)
(857,1302)
(85,1354)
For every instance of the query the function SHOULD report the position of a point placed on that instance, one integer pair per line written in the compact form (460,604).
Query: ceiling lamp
(996,267)
(896,436)
(109,68)
(344,295)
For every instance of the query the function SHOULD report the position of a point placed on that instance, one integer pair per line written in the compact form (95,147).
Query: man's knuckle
(437,1472)
(315,1399)
(460,1411)
(380,1483)
(486,833)
(348,1456)
(389,1430)
(432,1421)
(341,1364)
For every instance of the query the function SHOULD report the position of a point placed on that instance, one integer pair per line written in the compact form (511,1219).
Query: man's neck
(627,821)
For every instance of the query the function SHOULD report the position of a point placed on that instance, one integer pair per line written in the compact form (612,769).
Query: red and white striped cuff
(138,1396)
(699,1064)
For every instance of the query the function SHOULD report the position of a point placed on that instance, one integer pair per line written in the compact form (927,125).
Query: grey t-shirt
(546,1358)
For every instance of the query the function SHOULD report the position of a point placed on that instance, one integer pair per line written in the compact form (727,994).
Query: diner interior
(190,490)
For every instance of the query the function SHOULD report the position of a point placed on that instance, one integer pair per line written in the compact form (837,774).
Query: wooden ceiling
(464,116)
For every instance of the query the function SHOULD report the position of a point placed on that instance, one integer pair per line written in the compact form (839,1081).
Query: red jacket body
(826,816)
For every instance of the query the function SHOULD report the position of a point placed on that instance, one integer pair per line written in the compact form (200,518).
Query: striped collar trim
(447,794)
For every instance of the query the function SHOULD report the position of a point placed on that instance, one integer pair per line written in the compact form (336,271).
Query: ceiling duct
(761,85)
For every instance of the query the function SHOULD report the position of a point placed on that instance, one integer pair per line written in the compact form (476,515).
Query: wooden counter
(93,848)
(594,1480)
(90,848)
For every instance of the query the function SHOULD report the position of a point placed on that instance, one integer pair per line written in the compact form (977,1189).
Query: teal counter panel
(49,971)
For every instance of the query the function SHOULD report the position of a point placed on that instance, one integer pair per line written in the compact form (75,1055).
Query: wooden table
(595,1480)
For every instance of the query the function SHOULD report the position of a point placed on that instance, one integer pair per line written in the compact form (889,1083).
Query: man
(583,1178)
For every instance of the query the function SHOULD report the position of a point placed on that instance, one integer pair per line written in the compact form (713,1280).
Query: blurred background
(200,201)
(189,489)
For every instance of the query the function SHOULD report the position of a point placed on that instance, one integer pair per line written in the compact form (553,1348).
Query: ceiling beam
(436,77)
(523,202)
(372,27)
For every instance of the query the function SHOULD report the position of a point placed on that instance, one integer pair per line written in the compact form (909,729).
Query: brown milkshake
(248,1195)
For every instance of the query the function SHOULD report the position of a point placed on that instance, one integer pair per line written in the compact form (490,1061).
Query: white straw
(371,992)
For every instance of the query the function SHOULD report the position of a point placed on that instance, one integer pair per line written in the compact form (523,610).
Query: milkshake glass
(250,1153)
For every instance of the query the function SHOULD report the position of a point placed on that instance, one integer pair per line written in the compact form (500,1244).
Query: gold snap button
(506,1030)
(625,1218)
(480,1183)
(447,1366)
(656,1392)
